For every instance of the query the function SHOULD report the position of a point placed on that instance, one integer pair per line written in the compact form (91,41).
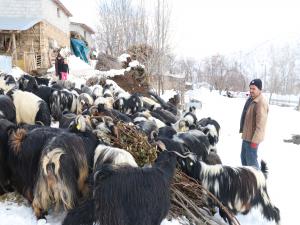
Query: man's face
(254,91)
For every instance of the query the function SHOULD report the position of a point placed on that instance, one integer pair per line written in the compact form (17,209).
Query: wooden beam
(14,47)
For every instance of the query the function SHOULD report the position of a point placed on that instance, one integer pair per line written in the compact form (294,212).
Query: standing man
(253,123)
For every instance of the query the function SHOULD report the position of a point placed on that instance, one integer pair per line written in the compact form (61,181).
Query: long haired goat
(62,175)
(125,195)
(238,188)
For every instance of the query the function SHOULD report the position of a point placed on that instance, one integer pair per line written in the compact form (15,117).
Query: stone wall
(49,9)
(35,41)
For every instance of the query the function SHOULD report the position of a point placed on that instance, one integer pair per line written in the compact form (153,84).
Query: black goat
(125,195)
(7,109)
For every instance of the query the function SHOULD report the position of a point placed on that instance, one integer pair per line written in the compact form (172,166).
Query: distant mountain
(256,62)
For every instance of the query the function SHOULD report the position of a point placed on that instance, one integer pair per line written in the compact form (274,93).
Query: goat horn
(187,155)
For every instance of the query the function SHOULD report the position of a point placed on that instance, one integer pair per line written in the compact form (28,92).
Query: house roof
(18,23)
(84,26)
(63,8)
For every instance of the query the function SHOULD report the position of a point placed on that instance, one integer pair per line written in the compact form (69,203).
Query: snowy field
(282,160)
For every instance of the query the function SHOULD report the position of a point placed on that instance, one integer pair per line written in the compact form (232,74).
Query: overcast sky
(205,27)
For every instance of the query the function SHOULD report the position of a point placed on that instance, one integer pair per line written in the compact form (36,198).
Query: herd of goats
(75,168)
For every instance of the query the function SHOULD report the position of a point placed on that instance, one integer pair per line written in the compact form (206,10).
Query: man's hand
(253,145)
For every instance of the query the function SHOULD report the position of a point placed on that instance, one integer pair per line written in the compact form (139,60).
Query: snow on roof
(84,26)
(18,23)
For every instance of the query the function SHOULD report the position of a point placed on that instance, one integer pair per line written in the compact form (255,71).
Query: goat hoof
(42,221)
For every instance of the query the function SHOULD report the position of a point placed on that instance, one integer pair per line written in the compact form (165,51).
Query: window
(58,12)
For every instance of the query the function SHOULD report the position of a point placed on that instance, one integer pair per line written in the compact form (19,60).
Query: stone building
(30,31)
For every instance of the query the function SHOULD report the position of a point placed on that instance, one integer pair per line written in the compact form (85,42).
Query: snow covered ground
(282,159)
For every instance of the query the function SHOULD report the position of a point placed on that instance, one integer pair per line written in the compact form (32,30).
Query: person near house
(59,62)
(253,123)
(65,70)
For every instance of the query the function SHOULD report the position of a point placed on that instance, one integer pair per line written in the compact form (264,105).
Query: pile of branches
(188,198)
(136,143)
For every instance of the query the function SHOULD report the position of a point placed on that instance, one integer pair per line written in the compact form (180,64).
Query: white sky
(205,27)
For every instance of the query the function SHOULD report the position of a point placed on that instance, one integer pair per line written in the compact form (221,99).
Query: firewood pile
(134,79)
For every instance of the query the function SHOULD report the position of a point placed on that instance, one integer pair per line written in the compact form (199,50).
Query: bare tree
(215,69)
(160,40)
(235,80)
(121,24)
(286,67)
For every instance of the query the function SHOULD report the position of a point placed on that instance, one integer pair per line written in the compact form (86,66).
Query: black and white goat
(211,128)
(132,105)
(195,141)
(238,188)
(30,108)
(149,103)
(82,127)
(27,83)
(166,132)
(182,125)
(97,91)
(191,117)
(102,110)
(165,105)
(149,128)
(146,116)
(104,129)
(31,84)
(60,101)
(107,101)
(84,102)
(7,82)
(114,156)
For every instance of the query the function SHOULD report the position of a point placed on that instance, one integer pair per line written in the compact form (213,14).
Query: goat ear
(35,86)
(187,124)
(192,127)
(152,107)
(153,135)
(205,130)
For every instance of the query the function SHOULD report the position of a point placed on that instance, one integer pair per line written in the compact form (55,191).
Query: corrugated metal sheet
(17,24)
